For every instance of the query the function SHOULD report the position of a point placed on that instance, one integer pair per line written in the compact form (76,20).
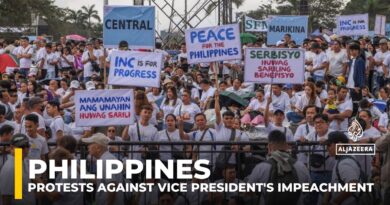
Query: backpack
(363,198)
(288,178)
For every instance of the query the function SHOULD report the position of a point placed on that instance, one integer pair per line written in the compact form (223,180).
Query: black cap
(20,140)
(123,44)
(336,137)
(277,111)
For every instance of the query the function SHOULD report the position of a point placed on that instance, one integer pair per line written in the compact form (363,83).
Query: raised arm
(266,113)
(218,118)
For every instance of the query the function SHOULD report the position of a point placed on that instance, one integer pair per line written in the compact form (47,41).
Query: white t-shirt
(285,130)
(336,62)
(209,136)
(146,134)
(38,147)
(188,112)
(57,124)
(380,57)
(317,61)
(256,105)
(41,122)
(386,61)
(166,151)
(88,67)
(346,105)
(194,93)
(41,54)
(65,64)
(383,120)
(303,130)
(317,149)
(206,94)
(281,102)
(303,101)
(169,108)
(77,132)
(10,123)
(153,98)
(25,62)
(50,58)
(237,92)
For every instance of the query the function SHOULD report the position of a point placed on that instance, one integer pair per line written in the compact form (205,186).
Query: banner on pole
(352,25)
(134,24)
(213,44)
(278,26)
(104,107)
(380,25)
(255,25)
(274,65)
(387,30)
(141,69)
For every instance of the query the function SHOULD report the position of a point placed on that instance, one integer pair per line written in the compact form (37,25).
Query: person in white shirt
(4,121)
(170,102)
(170,134)
(50,61)
(154,95)
(254,113)
(236,88)
(345,111)
(24,54)
(182,57)
(319,62)
(57,125)
(308,98)
(338,60)
(207,94)
(66,60)
(280,99)
(141,131)
(382,63)
(187,111)
(90,55)
(38,144)
(278,118)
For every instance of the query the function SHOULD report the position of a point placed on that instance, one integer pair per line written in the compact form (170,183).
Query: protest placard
(134,24)
(213,44)
(274,65)
(140,69)
(255,25)
(104,107)
(380,25)
(352,25)
(387,33)
(278,26)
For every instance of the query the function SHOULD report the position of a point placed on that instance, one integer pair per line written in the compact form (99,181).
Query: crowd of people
(346,80)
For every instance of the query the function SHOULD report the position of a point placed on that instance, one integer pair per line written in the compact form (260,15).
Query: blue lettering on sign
(135,73)
(127,62)
(345,23)
(220,35)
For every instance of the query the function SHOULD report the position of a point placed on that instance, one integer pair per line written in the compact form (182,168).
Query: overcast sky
(162,22)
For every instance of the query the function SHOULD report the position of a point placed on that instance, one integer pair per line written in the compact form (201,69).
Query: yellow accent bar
(18,173)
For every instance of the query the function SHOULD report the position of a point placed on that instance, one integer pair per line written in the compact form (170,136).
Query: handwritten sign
(213,44)
(274,65)
(352,25)
(134,24)
(140,69)
(104,107)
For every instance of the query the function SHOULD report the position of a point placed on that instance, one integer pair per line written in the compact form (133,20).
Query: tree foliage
(372,7)
(61,21)
(322,13)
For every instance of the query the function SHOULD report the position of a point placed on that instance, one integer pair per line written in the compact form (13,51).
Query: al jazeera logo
(355,133)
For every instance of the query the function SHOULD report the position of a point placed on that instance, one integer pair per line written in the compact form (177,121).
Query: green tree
(372,7)
(89,14)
